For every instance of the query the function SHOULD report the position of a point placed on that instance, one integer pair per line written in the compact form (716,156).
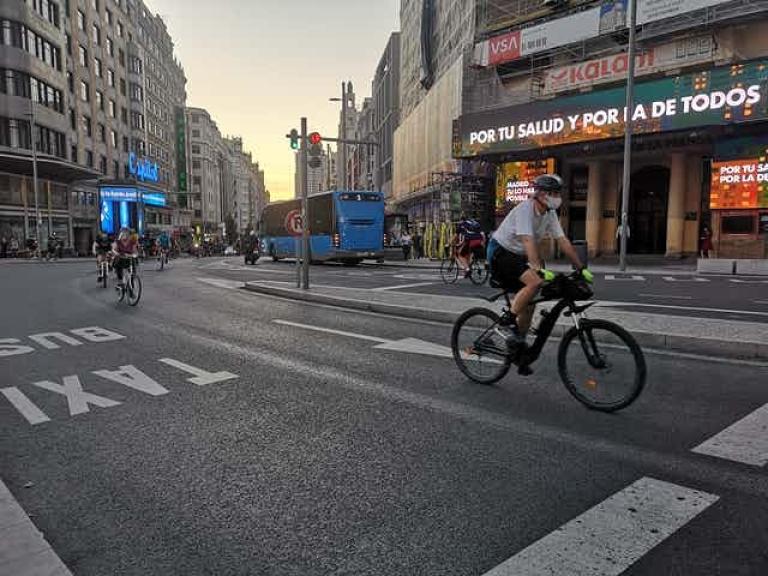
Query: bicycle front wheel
(449,271)
(601,365)
(160,263)
(479,350)
(478,273)
(134,290)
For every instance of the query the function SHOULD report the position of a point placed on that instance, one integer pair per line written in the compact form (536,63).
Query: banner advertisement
(652,10)
(739,184)
(718,96)
(680,53)
(514,182)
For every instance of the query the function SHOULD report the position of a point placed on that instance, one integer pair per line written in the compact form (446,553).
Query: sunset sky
(258,65)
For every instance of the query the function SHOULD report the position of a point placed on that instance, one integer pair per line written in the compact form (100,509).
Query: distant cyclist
(101,249)
(163,243)
(124,249)
(469,240)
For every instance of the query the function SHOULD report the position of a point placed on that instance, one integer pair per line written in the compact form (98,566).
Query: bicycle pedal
(524,370)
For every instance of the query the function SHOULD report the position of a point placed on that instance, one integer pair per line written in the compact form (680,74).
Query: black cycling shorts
(507,268)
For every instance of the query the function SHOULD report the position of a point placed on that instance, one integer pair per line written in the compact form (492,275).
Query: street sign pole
(304,206)
(628,138)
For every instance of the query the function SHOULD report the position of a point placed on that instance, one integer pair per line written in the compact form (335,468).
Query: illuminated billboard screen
(739,183)
(514,182)
(717,96)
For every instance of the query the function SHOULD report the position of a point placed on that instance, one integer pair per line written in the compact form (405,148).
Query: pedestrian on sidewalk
(418,245)
(705,241)
(14,247)
(406,242)
(4,247)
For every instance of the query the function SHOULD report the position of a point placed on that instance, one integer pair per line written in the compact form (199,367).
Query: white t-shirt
(523,220)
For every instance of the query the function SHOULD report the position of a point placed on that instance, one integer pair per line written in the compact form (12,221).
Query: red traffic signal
(315,138)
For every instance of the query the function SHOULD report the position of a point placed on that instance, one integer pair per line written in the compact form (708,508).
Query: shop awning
(48,167)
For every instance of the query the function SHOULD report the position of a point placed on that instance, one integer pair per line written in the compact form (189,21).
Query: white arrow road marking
(401,286)
(222,283)
(411,345)
(745,441)
(78,399)
(625,278)
(609,538)
(332,331)
(684,279)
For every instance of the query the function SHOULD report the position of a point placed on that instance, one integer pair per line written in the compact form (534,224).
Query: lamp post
(341,168)
(628,137)
(38,220)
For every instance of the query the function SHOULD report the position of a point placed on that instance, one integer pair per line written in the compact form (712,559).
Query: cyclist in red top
(125,247)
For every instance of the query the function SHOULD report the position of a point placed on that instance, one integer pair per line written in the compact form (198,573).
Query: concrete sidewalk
(710,337)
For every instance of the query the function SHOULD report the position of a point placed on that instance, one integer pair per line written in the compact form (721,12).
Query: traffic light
(294,136)
(315,138)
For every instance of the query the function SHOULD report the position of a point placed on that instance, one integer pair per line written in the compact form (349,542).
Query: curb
(738,350)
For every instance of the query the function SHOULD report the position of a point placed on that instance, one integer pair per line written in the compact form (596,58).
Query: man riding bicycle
(469,241)
(101,248)
(517,265)
(163,243)
(124,249)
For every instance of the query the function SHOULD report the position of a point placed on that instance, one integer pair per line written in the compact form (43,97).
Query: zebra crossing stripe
(746,441)
(610,537)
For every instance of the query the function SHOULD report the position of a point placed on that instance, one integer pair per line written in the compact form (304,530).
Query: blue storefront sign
(143,169)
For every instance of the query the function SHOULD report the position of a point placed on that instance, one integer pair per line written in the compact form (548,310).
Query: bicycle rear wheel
(104,274)
(479,350)
(478,272)
(601,365)
(133,289)
(449,271)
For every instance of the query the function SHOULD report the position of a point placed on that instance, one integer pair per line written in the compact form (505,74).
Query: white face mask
(554,203)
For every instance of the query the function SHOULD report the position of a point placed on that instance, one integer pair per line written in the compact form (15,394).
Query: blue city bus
(345,226)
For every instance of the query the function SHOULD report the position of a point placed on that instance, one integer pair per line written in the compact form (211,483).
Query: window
(195,118)
(83,52)
(121,57)
(86,125)
(48,9)
(95,5)
(113,138)
(738,224)
(195,149)
(72,119)
(19,36)
(195,164)
(137,94)
(96,35)
(69,44)
(17,83)
(116,169)
(120,29)
(122,86)
(99,100)
(108,12)
(137,120)
(102,133)
(103,164)
(81,20)
(97,67)
(89,158)
(110,47)
(125,144)
(195,133)
(124,115)
(70,82)
(84,91)
(111,77)
(73,154)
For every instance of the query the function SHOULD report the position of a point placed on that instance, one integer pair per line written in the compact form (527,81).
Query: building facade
(361,158)
(317,178)
(34,105)
(248,194)
(206,176)
(544,90)
(386,103)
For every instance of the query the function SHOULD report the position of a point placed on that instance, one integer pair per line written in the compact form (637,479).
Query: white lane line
(332,331)
(611,304)
(739,281)
(418,284)
(684,279)
(632,278)
(666,296)
(609,538)
(746,441)
(760,301)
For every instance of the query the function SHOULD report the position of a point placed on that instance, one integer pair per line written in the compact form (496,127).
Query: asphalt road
(253,435)
(729,298)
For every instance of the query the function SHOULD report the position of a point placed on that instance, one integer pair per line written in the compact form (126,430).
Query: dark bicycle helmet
(548,183)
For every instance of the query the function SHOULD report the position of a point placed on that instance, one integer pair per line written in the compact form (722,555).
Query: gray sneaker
(511,335)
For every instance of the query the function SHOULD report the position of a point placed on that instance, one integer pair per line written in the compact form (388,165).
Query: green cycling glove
(547,275)
(586,273)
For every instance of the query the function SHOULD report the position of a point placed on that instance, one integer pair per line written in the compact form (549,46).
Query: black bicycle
(131,286)
(599,362)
